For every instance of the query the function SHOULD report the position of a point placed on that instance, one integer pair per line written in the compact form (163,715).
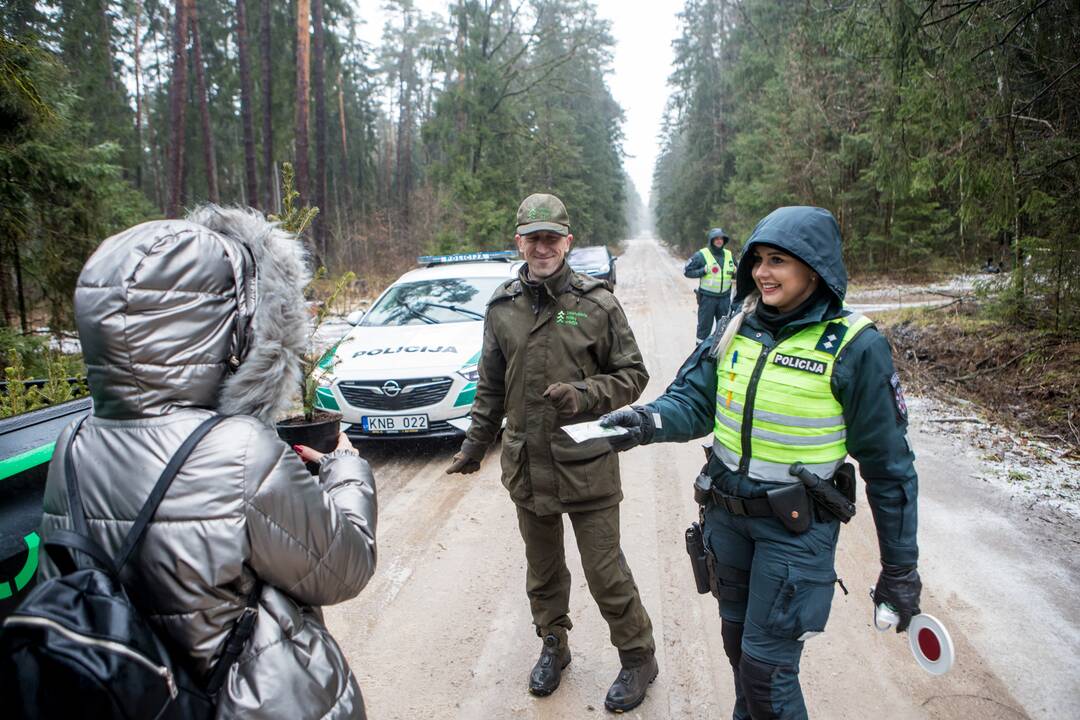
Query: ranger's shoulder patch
(898,398)
(585,283)
(509,289)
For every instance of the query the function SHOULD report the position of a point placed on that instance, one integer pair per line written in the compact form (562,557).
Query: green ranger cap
(541,211)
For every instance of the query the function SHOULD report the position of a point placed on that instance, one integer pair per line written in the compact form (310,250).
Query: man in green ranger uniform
(558,350)
(714,266)
(794,377)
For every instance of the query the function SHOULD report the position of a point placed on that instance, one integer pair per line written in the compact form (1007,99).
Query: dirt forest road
(443,630)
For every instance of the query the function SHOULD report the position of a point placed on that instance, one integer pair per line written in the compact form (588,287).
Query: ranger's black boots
(629,688)
(545,675)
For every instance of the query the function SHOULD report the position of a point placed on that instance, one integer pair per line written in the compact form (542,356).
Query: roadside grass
(1025,379)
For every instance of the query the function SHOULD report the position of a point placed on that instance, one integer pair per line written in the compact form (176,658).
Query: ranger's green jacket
(569,328)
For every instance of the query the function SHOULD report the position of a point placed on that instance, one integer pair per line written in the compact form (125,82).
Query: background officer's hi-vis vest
(717,283)
(776,407)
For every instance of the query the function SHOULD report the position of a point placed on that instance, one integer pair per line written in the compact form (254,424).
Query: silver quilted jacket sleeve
(313,539)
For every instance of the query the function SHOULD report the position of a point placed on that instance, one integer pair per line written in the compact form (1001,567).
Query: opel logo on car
(391,389)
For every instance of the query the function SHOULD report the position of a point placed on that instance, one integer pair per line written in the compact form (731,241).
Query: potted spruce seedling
(311,425)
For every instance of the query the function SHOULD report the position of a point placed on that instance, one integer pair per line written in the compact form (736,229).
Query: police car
(409,366)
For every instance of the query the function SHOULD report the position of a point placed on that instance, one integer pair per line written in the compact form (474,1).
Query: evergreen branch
(964,7)
(1051,166)
(746,17)
(1034,120)
(1053,82)
(521,91)
(509,33)
(1018,23)
(548,66)
(924,13)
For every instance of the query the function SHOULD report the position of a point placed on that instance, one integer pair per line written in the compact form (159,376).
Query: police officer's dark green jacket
(568,328)
(863,382)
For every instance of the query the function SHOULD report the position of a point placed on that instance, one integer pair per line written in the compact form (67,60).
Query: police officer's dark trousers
(606,571)
(710,309)
(776,592)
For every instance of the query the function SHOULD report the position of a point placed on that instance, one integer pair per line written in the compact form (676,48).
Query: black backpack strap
(60,543)
(75,504)
(142,520)
(237,638)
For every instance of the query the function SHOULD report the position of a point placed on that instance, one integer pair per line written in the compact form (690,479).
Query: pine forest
(939,133)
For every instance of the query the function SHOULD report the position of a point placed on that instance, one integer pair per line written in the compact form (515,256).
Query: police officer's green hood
(809,233)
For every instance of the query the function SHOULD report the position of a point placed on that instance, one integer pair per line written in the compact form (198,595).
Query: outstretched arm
(685,411)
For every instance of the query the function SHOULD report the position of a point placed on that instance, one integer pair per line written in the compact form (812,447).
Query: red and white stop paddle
(930,642)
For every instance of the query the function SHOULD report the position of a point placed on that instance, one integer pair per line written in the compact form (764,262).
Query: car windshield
(588,256)
(428,302)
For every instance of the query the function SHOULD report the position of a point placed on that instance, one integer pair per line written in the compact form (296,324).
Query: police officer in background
(793,378)
(714,266)
(558,350)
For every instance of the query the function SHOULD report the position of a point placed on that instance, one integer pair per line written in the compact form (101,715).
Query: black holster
(830,500)
(791,505)
(695,548)
(844,479)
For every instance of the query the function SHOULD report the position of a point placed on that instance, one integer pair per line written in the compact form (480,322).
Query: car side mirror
(354,317)
(614,258)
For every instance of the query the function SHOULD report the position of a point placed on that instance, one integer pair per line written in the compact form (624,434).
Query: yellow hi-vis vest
(717,283)
(776,407)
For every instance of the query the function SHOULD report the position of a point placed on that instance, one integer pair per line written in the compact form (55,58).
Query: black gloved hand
(637,421)
(900,587)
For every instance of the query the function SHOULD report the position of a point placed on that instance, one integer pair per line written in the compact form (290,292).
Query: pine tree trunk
(159,144)
(20,290)
(303,71)
(319,72)
(270,187)
(247,94)
(177,102)
(403,169)
(462,29)
(137,58)
(5,288)
(209,156)
(344,141)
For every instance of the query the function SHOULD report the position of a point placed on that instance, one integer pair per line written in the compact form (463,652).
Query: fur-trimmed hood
(202,312)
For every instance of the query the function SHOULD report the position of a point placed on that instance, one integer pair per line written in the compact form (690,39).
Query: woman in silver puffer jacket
(179,319)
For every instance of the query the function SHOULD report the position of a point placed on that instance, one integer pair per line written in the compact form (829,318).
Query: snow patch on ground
(1031,470)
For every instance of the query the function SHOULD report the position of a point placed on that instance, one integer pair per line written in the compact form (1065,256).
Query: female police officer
(794,378)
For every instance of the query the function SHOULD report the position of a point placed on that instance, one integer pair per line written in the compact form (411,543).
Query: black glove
(637,421)
(463,464)
(900,587)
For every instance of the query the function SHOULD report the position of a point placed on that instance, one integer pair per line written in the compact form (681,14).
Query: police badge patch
(898,397)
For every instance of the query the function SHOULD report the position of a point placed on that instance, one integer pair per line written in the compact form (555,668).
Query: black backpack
(78,643)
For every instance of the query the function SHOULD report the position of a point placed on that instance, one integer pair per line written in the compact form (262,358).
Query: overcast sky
(643,33)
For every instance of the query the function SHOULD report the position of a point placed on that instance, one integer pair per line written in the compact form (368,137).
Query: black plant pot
(320,433)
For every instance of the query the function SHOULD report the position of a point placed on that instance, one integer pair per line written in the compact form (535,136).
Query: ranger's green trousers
(612,585)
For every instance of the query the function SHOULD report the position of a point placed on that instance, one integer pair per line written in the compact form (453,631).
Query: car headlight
(324,380)
(470,373)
